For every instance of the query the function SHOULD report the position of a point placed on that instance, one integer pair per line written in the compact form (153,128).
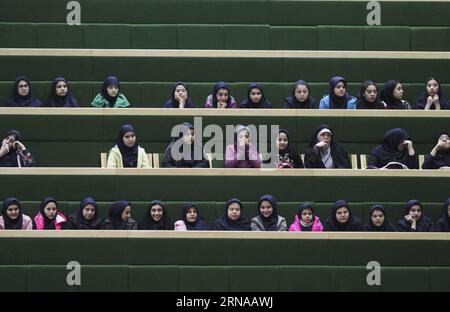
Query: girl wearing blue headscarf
(337,97)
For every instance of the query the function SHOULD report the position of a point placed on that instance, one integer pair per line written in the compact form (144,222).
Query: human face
(282,141)
(445,139)
(398,92)
(432,87)
(339,89)
(189,137)
(112,90)
(325,136)
(342,215)
(191,214)
(180,91)
(370,94)
(448,211)
(301,93)
(266,208)
(222,95)
(415,212)
(50,210)
(156,212)
(126,214)
(23,88)
(377,218)
(234,211)
(89,212)
(255,95)
(61,88)
(12,211)
(9,140)
(129,139)
(307,215)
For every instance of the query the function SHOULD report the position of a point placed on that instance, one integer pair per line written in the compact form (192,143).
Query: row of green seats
(209,278)
(155,94)
(214,67)
(272,12)
(230,37)
(205,185)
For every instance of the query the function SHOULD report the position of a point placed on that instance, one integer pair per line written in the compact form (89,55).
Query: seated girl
(255,98)
(368,96)
(342,219)
(221,97)
(439,156)
(414,220)
(127,153)
(395,147)
(60,95)
(337,97)
(306,220)
(191,220)
(120,217)
(325,152)
(179,97)
(301,97)
(378,221)
(184,151)
(87,217)
(110,95)
(432,97)
(242,154)
(13,153)
(233,218)
(268,218)
(22,95)
(392,96)
(443,224)
(48,217)
(12,217)
(156,218)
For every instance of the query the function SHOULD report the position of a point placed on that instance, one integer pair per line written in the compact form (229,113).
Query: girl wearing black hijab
(13,153)
(414,220)
(378,221)
(48,217)
(22,95)
(432,97)
(156,218)
(342,220)
(221,97)
(337,97)
(184,151)
(287,156)
(86,217)
(443,224)
(395,147)
(127,153)
(325,152)
(301,97)
(439,156)
(268,218)
(12,217)
(368,96)
(179,97)
(110,95)
(233,218)
(392,96)
(191,220)
(120,217)
(60,95)
(255,98)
